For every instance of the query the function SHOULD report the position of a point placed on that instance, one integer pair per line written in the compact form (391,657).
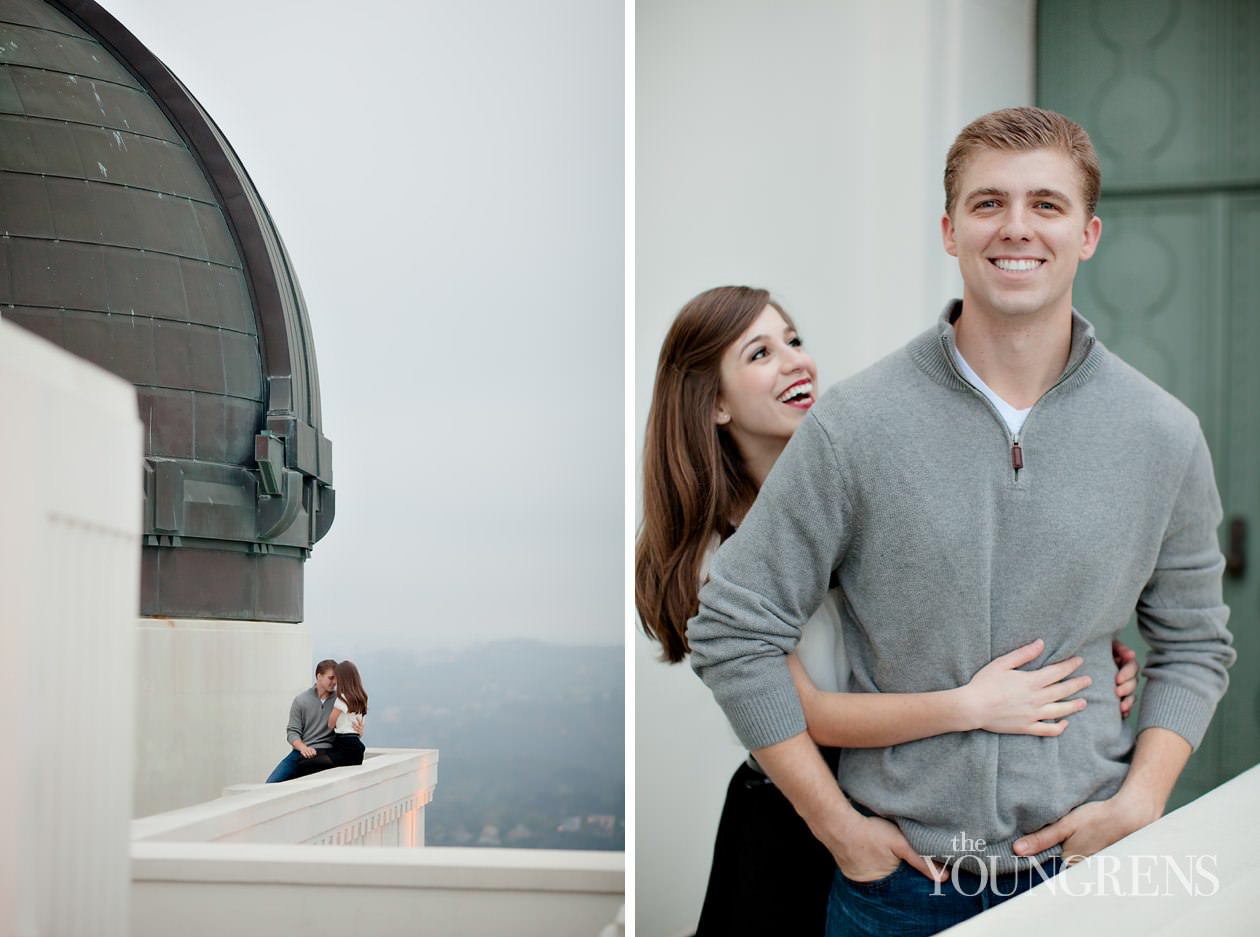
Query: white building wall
(69,568)
(213,704)
(796,146)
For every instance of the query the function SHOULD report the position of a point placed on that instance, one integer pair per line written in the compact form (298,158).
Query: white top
(1014,418)
(345,721)
(821,650)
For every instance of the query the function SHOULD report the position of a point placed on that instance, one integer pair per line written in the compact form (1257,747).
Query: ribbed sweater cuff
(768,718)
(1180,710)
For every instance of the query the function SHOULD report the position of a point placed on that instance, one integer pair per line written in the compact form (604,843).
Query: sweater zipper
(1017,452)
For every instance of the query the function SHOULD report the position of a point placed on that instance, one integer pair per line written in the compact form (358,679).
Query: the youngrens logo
(1144,876)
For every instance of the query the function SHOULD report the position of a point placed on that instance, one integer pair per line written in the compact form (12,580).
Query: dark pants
(307,766)
(909,904)
(769,875)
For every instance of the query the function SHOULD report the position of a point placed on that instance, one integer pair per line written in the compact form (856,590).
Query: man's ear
(1093,231)
(947,235)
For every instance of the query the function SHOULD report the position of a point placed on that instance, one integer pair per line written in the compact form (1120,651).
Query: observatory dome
(131,235)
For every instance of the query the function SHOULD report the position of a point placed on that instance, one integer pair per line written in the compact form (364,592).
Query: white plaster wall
(69,587)
(212,705)
(796,146)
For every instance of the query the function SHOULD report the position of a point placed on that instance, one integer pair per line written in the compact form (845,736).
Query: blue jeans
(288,765)
(909,904)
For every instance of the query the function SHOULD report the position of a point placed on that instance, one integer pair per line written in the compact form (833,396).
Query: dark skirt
(769,874)
(347,750)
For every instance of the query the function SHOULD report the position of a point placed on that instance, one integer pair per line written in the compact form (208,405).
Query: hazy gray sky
(448,179)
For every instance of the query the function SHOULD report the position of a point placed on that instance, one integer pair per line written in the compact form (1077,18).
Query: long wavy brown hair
(350,687)
(695,482)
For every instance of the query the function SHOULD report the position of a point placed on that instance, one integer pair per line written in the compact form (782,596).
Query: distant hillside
(531,739)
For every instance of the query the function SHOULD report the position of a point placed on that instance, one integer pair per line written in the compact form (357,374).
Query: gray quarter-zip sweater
(308,719)
(901,479)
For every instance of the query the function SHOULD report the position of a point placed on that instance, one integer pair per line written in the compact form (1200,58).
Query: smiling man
(1002,478)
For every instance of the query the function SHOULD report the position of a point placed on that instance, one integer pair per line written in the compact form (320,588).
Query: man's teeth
(796,390)
(1004,264)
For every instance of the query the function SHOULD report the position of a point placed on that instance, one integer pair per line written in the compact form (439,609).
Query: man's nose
(1015,225)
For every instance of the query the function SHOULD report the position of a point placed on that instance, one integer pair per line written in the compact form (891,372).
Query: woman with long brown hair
(350,707)
(732,384)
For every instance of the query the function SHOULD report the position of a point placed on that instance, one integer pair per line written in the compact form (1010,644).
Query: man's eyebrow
(990,191)
(986,191)
(1050,193)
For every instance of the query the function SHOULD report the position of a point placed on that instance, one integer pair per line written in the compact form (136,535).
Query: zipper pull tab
(1017,456)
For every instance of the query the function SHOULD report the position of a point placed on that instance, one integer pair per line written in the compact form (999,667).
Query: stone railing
(243,864)
(378,803)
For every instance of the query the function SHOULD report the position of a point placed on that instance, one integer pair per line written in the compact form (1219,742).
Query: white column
(69,590)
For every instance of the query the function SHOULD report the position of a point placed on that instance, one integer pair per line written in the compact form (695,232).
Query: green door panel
(1238,469)
(1166,88)
(1152,291)
(1169,91)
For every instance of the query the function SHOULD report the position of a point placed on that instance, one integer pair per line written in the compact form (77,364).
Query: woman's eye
(758,354)
(796,342)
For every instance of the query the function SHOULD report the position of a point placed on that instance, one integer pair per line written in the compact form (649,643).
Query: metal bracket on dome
(279,489)
(168,498)
(269,454)
(327,510)
(276,513)
(294,473)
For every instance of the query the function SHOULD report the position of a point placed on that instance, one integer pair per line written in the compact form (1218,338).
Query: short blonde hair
(1017,129)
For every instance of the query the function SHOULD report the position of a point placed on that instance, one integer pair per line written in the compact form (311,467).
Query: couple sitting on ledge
(325,723)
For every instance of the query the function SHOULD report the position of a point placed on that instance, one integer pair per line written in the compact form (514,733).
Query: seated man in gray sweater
(1002,478)
(308,730)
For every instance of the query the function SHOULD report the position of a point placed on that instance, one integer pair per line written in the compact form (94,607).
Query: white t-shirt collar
(1014,418)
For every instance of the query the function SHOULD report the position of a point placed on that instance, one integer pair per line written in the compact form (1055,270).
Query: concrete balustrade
(233,865)
(378,803)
